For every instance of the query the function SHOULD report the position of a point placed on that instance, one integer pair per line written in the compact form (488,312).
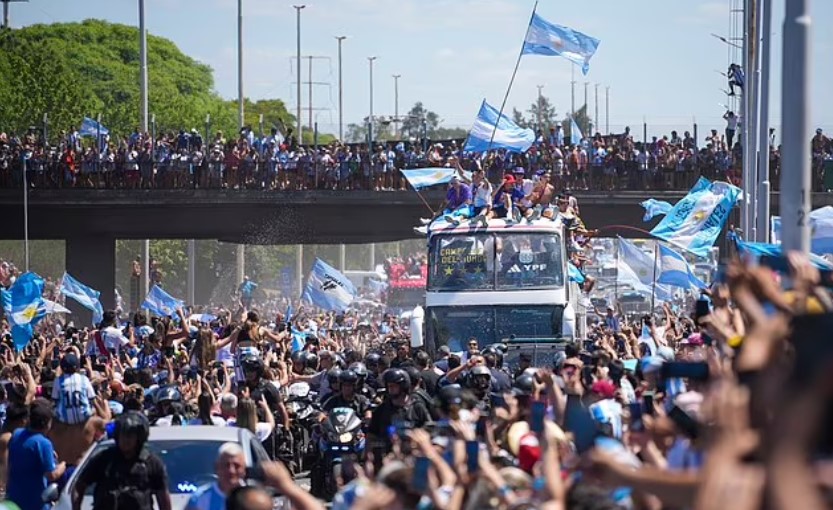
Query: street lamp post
(396,102)
(340,39)
(370,119)
(299,127)
(144,283)
(538,109)
(240,63)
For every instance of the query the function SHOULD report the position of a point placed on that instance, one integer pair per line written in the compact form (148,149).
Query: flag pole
(616,281)
(654,279)
(512,80)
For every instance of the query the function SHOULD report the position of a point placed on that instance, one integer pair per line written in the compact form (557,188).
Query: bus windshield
(453,326)
(500,261)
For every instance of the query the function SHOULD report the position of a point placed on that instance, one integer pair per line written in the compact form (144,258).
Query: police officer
(479,382)
(398,409)
(126,475)
(348,397)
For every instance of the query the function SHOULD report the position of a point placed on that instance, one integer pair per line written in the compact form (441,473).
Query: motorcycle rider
(348,396)
(418,389)
(479,382)
(258,386)
(398,409)
(373,362)
(362,373)
(168,407)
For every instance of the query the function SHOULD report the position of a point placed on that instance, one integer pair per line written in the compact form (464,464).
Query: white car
(188,454)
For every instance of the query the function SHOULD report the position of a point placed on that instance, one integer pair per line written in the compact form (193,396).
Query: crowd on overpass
(275,162)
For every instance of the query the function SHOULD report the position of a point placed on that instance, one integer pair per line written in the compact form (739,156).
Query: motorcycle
(304,416)
(340,435)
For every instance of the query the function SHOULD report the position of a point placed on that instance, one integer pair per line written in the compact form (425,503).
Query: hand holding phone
(420,479)
(637,425)
(536,420)
(473,456)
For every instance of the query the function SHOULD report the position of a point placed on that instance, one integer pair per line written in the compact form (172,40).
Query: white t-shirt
(483,194)
(113,338)
(262,429)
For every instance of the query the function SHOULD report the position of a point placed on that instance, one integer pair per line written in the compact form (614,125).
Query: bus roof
(440,226)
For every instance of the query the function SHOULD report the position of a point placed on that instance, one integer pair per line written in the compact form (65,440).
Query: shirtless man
(541,197)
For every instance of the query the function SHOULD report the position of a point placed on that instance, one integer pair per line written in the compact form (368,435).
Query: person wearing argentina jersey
(230,468)
(73,395)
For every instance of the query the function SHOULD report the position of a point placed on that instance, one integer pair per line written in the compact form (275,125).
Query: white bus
(503,283)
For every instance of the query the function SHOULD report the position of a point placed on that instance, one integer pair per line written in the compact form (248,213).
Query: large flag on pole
(507,134)
(24,307)
(675,270)
(327,288)
(545,38)
(575,132)
(85,296)
(424,177)
(694,222)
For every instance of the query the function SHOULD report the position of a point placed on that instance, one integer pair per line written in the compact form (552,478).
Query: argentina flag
(507,134)
(694,222)
(654,208)
(575,132)
(327,288)
(24,307)
(421,178)
(85,296)
(675,270)
(821,230)
(90,127)
(545,38)
(161,303)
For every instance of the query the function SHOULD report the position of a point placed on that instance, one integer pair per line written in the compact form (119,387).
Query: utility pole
(586,113)
(6,11)
(299,128)
(309,100)
(795,130)
(396,102)
(572,90)
(596,116)
(607,109)
(538,109)
(370,119)
(240,63)
(340,39)
(144,282)
(765,10)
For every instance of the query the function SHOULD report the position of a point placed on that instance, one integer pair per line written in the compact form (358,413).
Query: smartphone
(648,403)
(698,371)
(473,456)
(637,424)
(420,480)
(687,425)
(536,419)
(579,422)
(702,308)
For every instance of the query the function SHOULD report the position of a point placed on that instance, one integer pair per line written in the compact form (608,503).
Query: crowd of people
(276,162)
(724,405)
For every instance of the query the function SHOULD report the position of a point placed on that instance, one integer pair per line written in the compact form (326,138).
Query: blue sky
(657,56)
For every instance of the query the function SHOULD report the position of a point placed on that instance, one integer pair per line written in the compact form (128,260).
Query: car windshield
(496,262)
(190,464)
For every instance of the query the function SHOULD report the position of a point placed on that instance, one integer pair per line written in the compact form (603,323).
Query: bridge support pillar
(92,261)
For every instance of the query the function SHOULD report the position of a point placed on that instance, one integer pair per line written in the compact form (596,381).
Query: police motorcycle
(341,435)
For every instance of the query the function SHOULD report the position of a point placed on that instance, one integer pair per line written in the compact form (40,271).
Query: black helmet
(524,385)
(297,356)
(373,359)
(333,375)
(413,374)
(348,377)
(502,347)
(132,422)
(480,377)
(167,394)
(397,376)
(360,370)
(311,360)
(451,395)
(251,363)
(493,349)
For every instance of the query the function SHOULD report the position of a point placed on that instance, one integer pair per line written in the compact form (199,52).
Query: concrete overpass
(91,220)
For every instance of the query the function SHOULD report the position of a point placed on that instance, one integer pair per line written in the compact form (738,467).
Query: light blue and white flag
(83,295)
(695,221)
(24,307)
(821,230)
(545,38)
(654,208)
(675,270)
(327,288)
(575,132)
(756,250)
(91,127)
(421,178)
(507,135)
(161,303)
(645,267)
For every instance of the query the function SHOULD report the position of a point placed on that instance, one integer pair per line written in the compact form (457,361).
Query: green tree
(519,119)
(548,116)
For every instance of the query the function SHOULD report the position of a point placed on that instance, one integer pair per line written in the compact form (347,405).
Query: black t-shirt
(429,381)
(122,483)
(411,415)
